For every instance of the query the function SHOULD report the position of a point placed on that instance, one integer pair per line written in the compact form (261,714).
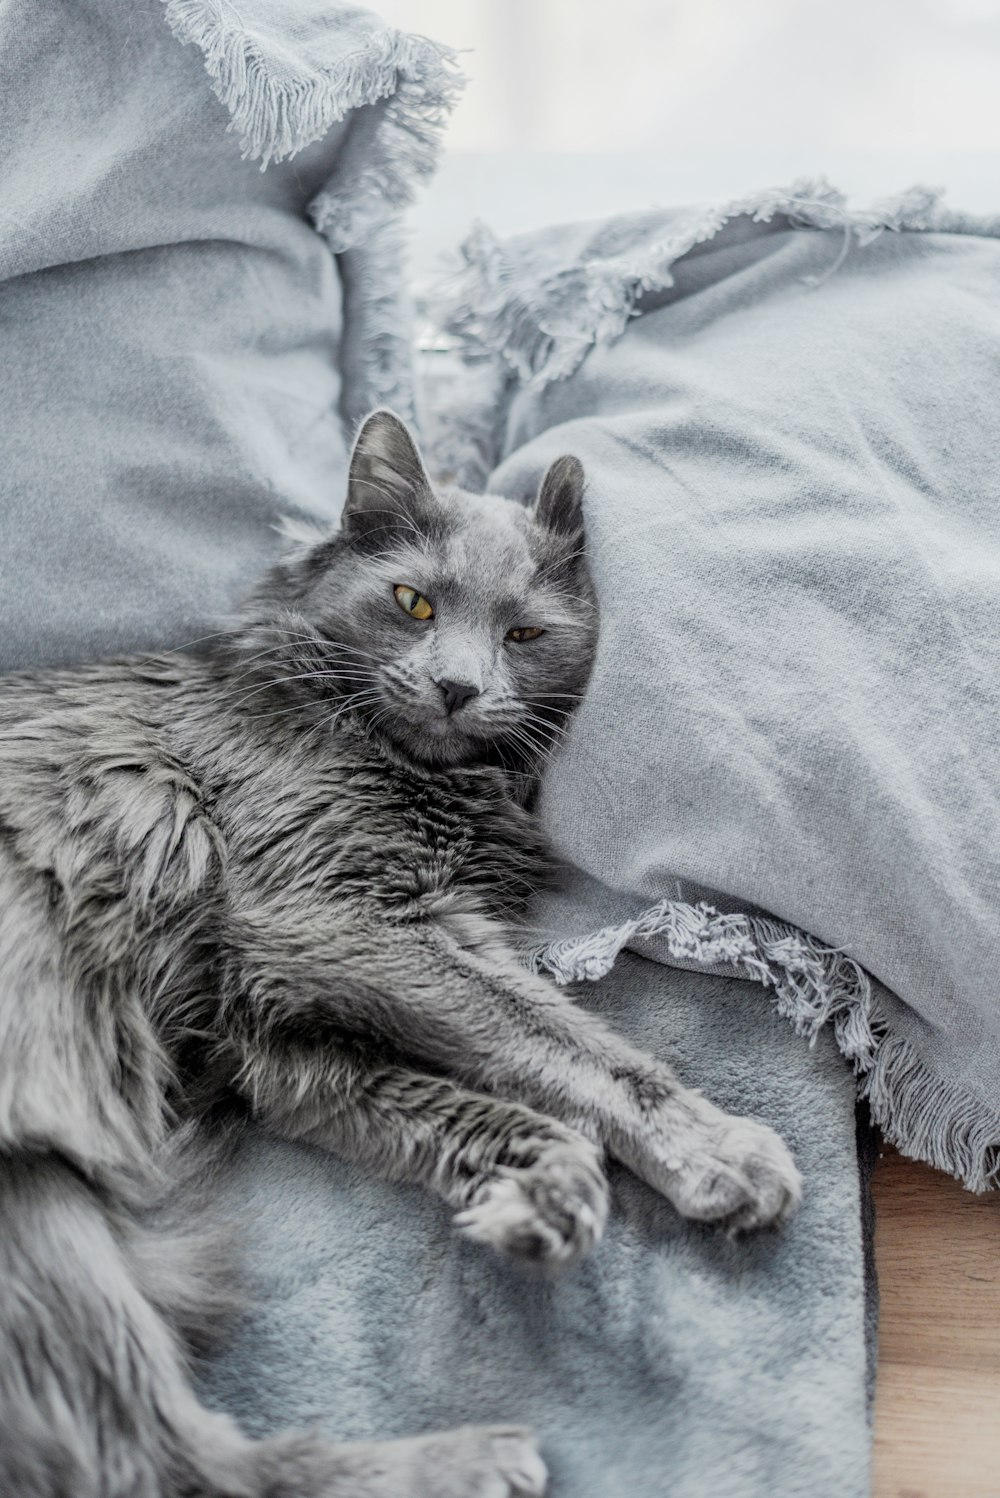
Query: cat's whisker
(544,753)
(219,634)
(546,745)
(296,707)
(541,725)
(337,669)
(288,645)
(279,681)
(356,672)
(249,661)
(376,722)
(350,704)
(545,721)
(517,735)
(320,642)
(550,734)
(342,645)
(572,556)
(291,637)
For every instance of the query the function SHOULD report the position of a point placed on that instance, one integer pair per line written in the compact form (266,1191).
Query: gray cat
(281,876)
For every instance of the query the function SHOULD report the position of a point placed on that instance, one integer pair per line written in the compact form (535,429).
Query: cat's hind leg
(474,1461)
(95,1400)
(520,1181)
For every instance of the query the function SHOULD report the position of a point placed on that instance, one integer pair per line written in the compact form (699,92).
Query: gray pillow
(182,349)
(793,523)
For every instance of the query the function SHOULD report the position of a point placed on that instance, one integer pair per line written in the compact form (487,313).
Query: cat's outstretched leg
(94,1396)
(524,1183)
(450,994)
(552,1053)
(712,1166)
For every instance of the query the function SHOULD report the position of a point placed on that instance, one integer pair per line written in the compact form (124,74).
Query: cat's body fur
(211,893)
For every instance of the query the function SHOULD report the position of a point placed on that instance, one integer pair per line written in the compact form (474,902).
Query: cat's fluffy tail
(94,1392)
(95,1400)
(101,1307)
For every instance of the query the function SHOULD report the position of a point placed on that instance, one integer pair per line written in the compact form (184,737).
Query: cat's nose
(457,693)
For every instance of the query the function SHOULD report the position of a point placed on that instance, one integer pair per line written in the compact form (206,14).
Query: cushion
(184,351)
(786,764)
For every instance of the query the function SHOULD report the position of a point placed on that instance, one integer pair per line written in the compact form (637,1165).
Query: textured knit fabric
(787,762)
(181,348)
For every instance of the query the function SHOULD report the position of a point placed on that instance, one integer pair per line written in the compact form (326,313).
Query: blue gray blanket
(674,1361)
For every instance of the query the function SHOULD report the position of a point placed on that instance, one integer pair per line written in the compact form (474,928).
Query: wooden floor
(937,1410)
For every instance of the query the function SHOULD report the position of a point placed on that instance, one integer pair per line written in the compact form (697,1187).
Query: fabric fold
(287,70)
(188,352)
(287,73)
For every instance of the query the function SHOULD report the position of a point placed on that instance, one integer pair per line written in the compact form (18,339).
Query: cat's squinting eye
(528,632)
(412,602)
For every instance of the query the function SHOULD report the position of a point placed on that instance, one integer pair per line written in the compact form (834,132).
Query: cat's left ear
(559,505)
(388,491)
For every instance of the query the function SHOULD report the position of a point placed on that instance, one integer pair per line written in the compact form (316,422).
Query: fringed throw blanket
(188,339)
(788,762)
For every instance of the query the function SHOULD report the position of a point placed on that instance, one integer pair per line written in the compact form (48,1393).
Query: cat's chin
(435,742)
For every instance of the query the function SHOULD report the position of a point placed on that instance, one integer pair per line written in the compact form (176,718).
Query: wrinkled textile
(789,754)
(672,1361)
(187,339)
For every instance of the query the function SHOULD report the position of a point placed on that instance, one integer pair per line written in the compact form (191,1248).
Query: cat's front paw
(716,1168)
(551,1210)
(744,1178)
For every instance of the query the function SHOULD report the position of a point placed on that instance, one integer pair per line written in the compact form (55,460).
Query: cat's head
(460,627)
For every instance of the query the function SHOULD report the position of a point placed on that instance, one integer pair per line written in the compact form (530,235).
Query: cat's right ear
(388,491)
(559,506)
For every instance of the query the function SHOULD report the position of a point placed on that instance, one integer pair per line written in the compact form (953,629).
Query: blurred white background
(576,108)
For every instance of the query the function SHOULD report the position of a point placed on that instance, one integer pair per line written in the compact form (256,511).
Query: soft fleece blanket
(788,762)
(672,1362)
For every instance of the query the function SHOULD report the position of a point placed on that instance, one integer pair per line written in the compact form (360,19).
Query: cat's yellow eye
(412,602)
(529,632)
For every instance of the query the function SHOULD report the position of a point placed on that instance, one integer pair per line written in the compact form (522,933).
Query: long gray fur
(280,878)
